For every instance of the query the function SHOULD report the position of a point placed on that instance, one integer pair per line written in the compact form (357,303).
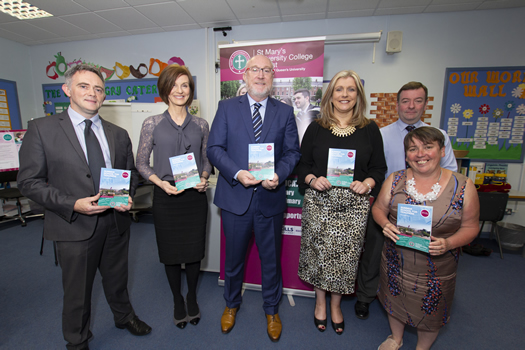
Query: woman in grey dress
(179,215)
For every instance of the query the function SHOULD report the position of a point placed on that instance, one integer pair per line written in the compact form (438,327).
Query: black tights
(173,272)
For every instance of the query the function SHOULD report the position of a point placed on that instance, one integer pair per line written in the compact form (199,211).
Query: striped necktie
(410,128)
(257,121)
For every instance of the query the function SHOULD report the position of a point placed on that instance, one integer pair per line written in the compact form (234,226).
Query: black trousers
(106,251)
(368,273)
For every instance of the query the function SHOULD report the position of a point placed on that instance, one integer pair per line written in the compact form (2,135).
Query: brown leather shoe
(228,319)
(275,327)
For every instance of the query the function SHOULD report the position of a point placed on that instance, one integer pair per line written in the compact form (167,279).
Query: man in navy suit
(248,204)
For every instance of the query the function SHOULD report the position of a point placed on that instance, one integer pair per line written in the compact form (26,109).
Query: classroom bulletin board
(9,106)
(483,112)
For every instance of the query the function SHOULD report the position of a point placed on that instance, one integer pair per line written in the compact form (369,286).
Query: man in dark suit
(248,204)
(60,161)
(307,111)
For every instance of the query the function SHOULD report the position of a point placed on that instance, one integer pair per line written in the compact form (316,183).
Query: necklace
(337,131)
(418,197)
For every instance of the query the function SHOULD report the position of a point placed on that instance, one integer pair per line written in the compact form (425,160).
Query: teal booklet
(415,224)
(114,187)
(185,172)
(261,160)
(340,169)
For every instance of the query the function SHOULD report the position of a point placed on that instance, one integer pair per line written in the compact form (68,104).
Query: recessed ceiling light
(22,10)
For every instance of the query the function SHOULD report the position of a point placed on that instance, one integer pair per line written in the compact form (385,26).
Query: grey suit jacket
(54,173)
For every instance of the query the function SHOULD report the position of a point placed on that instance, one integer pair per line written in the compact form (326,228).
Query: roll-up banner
(298,65)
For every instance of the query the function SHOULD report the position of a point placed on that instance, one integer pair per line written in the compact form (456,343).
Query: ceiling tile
(165,14)
(500,4)
(127,18)
(345,14)
(453,2)
(303,7)
(113,34)
(84,37)
(456,7)
(91,23)
(145,2)
(59,7)
(5,18)
(350,6)
(96,5)
(304,17)
(181,27)
(403,3)
(58,26)
(260,20)
(25,29)
(146,31)
(399,10)
(13,36)
(230,23)
(53,41)
(254,8)
(205,11)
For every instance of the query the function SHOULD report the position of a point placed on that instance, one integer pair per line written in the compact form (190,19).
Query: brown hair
(413,85)
(425,134)
(167,81)
(359,119)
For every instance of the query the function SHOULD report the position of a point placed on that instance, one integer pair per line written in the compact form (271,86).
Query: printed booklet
(114,187)
(185,172)
(341,164)
(261,160)
(415,224)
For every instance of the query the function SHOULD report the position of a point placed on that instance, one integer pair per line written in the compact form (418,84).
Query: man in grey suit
(60,161)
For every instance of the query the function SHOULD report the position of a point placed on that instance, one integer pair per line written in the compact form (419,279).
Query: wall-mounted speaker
(394,41)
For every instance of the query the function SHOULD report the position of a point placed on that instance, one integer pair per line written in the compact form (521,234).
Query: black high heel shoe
(320,323)
(192,306)
(337,326)
(180,323)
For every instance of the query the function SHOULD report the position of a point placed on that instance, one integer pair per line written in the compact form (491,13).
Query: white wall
(431,43)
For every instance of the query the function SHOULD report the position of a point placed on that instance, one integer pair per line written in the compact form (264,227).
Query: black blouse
(367,142)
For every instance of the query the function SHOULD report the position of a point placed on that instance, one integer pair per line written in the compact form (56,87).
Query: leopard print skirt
(333,231)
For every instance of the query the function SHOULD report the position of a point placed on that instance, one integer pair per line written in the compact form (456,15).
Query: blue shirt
(79,125)
(393,136)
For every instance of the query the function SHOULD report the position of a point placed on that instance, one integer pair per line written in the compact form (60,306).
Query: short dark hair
(413,85)
(167,81)
(425,134)
(305,92)
(79,68)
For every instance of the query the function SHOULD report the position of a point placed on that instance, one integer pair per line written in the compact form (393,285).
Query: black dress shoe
(135,326)
(361,310)
(338,327)
(320,323)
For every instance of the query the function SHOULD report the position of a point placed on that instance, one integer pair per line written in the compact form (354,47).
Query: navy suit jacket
(54,173)
(230,134)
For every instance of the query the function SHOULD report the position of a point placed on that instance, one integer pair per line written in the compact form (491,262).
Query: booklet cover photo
(341,164)
(261,160)
(415,224)
(185,172)
(114,187)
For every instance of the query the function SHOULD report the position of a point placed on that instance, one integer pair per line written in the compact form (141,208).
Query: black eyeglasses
(256,70)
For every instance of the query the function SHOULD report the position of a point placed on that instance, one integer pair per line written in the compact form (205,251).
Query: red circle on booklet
(125,175)
(269,147)
(425,213)
(190,157)
(350,154)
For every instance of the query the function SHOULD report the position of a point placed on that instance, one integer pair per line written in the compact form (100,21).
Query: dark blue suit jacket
(230,134)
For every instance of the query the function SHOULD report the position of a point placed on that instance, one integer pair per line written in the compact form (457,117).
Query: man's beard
(260,95)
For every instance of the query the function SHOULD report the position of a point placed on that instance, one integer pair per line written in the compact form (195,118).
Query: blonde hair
(359,120)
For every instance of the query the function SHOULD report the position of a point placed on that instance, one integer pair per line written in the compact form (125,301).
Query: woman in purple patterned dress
(417,288)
